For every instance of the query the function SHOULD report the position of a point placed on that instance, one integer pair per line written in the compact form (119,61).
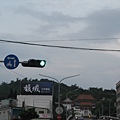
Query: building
(34,101)
(67,103)
(85,102)
(9,110)
(118,99)
(38,95)
(43,113)
(33,94)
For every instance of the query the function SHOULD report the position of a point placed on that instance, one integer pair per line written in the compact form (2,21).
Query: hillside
(12,89)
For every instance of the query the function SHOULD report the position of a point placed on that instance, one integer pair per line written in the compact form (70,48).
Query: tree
(11,93)
(29,114)
(15,94)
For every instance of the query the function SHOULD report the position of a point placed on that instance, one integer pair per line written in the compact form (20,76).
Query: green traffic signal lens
(42,63)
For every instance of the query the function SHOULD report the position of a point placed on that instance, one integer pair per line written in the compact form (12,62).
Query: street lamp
(59,82)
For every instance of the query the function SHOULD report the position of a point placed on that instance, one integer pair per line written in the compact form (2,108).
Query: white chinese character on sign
(36,88)
(27,88)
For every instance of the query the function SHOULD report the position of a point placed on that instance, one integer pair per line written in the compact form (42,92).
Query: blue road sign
(11,61)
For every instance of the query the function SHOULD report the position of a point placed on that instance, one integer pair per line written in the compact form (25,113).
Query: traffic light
(34,63)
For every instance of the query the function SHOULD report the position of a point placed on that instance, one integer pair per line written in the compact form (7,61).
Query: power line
(12,72)
(68,40)
(57,46)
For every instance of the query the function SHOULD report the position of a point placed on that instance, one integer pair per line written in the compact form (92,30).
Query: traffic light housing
(34,63)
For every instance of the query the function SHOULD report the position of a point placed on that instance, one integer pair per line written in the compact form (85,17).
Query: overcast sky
(70,23)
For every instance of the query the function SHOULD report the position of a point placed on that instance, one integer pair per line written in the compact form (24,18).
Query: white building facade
(9,110)
(67,103)
(35,101)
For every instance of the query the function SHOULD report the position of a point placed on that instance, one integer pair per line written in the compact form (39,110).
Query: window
(41,112)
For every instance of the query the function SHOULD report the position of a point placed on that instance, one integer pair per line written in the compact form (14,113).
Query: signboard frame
(36,88)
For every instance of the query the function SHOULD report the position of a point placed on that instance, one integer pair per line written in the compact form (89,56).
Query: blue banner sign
(36,88)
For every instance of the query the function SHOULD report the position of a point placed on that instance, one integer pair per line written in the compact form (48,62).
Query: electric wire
(62,47)
(68,40)
(12,72)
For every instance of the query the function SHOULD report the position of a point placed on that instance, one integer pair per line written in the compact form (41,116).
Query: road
(81,119)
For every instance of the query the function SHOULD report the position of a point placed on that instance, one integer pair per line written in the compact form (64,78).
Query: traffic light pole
(59,82)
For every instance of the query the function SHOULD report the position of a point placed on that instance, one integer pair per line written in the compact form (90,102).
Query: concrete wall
(42,101)
(5,114)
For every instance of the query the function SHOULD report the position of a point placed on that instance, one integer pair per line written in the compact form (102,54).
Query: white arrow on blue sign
(11,61)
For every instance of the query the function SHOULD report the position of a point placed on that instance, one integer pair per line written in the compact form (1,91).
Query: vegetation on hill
(104,97)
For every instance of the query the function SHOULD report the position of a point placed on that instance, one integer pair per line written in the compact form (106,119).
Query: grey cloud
(101,24)
(50,28)
(10,36)
(105,22)
(57,17)
(53,20)
(46,29)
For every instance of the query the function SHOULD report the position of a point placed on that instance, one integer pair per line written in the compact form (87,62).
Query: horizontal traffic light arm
(34,63)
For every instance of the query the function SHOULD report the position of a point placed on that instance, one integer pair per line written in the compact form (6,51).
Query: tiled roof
(85,103)
(85,96)
(67,100)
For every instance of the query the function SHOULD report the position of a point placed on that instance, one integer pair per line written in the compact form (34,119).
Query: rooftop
(85,97)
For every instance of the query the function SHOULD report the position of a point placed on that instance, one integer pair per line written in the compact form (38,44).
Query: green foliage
(10,90)
(105,101)
(28,114)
